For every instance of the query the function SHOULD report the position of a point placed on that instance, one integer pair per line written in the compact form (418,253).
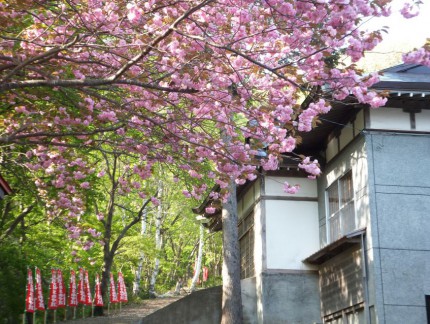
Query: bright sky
(403,36)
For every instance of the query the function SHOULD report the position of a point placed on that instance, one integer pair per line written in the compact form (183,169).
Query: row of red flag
(80,295)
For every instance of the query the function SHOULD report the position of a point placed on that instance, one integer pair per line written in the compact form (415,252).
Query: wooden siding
(341,283)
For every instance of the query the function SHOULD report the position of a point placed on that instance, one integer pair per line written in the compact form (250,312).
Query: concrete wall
(200,307)
(399,183)
(290,298)
(249,300)
(204,307)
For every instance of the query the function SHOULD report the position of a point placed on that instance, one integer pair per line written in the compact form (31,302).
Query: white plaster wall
(332,148)
(274,186)
(346,135)
(259,239)
(291,233)
(389,118)
(359,122)
(423,121)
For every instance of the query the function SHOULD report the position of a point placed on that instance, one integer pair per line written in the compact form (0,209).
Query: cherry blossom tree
(174,82)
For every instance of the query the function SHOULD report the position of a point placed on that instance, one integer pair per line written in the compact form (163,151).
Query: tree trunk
(178,287)
(199,260)
(138,275)
(138,272)
(231,291)
(107,266)
(158,243)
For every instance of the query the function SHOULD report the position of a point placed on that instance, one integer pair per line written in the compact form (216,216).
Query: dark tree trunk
(231,295)
(108,260)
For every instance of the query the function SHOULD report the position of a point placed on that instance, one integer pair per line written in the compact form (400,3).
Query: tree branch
(76,83)
(16,221)
(157,40)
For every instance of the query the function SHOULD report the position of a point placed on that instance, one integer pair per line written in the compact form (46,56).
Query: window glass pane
(347,190)
(348,218)
(333,198)
(335,231)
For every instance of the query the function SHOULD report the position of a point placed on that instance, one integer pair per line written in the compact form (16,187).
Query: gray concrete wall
(204,307)
(399,184)
(249,300)
(200,307)
(291,298)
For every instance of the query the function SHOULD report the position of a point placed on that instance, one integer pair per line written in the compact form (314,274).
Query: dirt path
(130,314)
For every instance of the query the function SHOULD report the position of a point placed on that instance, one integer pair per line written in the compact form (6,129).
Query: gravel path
(130,314)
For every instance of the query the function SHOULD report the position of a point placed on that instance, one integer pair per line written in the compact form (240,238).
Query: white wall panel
(390,119)
(292,233)
(423,121)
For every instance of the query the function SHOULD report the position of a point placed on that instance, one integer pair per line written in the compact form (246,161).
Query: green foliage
(12,282)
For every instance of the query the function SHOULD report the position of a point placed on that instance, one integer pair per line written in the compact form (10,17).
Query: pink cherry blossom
(291,189)
(210,210)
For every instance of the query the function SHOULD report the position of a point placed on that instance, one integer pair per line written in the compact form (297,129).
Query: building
(352,246)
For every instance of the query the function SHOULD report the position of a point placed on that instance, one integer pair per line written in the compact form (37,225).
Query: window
(246,242)
(341,212)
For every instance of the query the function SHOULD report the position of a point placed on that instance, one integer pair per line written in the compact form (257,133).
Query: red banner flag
(53,291)
(61,298)
(112,290)
(98,299)
(73,298)
(88,299)
(122,291)
(205,273)
(81,289)
(40,304)
(29,298)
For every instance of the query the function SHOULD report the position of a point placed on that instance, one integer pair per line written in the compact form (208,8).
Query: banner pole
(74,312)
(45,316)
(55,316)
(24,315)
